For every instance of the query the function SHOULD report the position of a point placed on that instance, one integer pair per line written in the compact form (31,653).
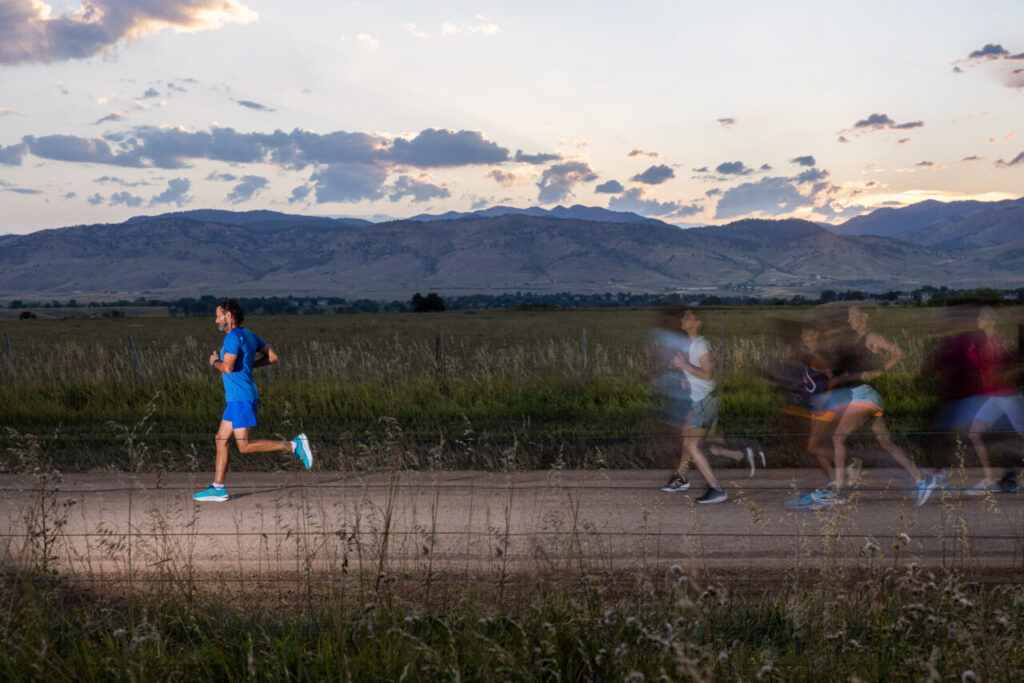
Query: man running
(242,351)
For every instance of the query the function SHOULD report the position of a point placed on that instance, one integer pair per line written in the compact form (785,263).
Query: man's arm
(267,356)
(226,366)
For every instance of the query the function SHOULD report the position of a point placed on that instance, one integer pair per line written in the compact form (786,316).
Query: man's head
(229,315)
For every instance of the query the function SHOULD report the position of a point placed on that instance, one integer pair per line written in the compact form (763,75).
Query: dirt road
(484,523)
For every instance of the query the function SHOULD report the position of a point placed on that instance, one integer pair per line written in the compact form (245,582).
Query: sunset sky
(695,113)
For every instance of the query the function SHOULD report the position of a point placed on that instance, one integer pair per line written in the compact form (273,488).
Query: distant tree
(827,295)
(16,303)
(27,315)
(431,303)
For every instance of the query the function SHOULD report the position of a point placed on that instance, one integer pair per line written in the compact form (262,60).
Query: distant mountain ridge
(944,225)
(258,221)
(575,212)
(266,253)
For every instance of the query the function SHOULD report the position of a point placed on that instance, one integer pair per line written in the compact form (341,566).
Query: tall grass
(522,375)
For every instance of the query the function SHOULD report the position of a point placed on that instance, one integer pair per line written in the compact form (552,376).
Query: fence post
(10,357)
(439,354)
(584,352)
(138,362)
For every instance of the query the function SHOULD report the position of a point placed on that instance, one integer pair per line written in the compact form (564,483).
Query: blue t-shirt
(238,384)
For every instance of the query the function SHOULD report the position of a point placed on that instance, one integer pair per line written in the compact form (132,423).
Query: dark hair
(234,308)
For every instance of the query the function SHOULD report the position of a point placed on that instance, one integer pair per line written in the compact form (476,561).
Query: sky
(694,113)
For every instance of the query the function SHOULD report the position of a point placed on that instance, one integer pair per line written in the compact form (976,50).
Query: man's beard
(221,326)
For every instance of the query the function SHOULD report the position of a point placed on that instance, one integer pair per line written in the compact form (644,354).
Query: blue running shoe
(927,485)
(212,495)
(302,450)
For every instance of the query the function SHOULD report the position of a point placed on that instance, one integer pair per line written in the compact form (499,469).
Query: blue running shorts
(240,414)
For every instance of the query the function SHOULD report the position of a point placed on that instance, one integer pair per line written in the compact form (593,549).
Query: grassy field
(515,379)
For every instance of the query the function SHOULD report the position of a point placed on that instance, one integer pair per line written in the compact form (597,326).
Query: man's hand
(214,357)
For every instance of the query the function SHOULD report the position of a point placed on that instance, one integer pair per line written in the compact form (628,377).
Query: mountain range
(576,249)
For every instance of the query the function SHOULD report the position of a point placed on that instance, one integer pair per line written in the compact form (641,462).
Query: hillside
(177,255)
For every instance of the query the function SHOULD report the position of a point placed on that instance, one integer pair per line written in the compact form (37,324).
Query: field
(510,379)
(385,566)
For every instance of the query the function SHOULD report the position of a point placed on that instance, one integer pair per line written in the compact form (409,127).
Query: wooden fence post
(138,362)
(584,352)
(10,357)
(439,354)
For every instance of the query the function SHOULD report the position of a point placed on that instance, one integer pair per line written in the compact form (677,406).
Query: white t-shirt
(699,388)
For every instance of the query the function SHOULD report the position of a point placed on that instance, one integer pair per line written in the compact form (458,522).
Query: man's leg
(247,445)
(221,463)
(691,444)
(852,417)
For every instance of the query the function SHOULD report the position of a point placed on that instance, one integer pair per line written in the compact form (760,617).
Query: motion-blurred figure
(861,357)
(698,368)
(998,368)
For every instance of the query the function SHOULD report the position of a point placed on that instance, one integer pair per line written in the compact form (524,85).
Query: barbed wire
(513,439)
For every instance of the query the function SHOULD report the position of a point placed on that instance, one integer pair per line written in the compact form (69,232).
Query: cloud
(557,181)
(28,32)
(249,187)
(172,148)
(368,41)
(991,52)
(522,158)
(733,168)
(877,122)
(125,198)
(685,211)
(1016,161)
(120,181)
(803,161)
(481,26)
(348,182)
(299,194)
(253,105)
(713,192)
(637,152)
(418,189)
(634,200)
(972,158)
(21,190)
(610,187)
(655,175)
(772,196)
(414,30)
(176,193)
(434,148)
(76,149)
(726,122)
(150,93)
(96,199)
(112,116)
(811,175)
(12,156)
(504,177)
(228,177)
